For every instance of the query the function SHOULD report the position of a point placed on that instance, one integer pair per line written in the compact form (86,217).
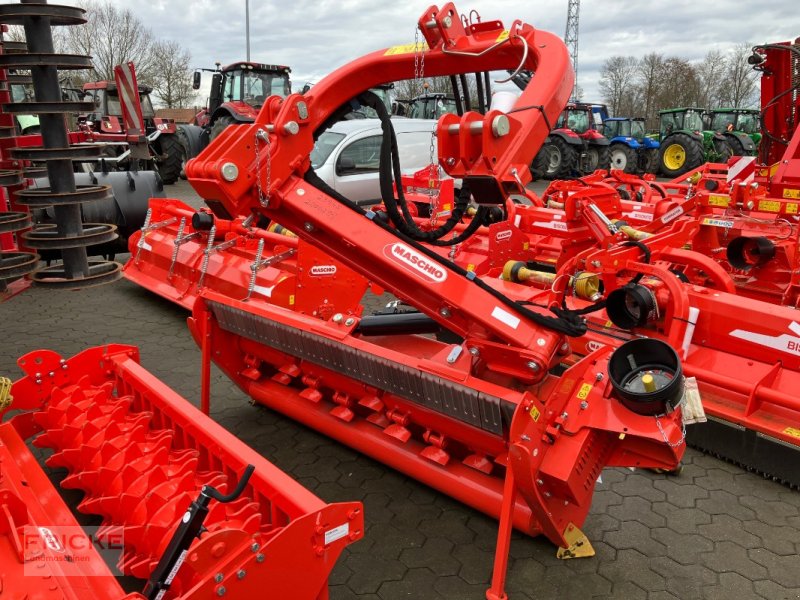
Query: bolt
(308,227)
(350,321)
(241,573)
(291,128)
(533,366)
(584,405)
(474,351)
(218,577)
(255,547)
(525,438)
(221,591)
(337,318)
(51,374)
(564,415)
(450,161)
(301,192)
(539,482)
(565,347)
(547,494)
(445,312)
(447,22)
(259,558)
(599,377)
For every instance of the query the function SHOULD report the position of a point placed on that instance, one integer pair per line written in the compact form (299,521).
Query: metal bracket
(579,545)
(259,264)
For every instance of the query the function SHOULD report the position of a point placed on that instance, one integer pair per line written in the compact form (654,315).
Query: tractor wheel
(169,167)
(651,161)
(722,151)
(597,157)
(541,161)
(736,146)
(623,157)
(679,154)
(563,159)
(190,137)
(220,124)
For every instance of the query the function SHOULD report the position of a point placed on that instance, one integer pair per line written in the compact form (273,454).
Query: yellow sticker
(406,49)
(526,245)
(789,193)
(791,208)
(535,414)
(792,432)
(503,36)
(291,300)
(715,200)
(470,267)
(770,205)
(583,393)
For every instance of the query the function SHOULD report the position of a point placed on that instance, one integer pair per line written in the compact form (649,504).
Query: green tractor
(740,126)
(685,142)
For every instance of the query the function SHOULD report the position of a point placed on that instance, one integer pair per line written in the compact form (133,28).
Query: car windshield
(253,87)
(324,146)
(637,129)
(574,119)
(747,123)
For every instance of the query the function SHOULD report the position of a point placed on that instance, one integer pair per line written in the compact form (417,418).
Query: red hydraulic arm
(261,167)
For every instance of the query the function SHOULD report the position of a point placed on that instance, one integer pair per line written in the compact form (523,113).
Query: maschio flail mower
(535,342)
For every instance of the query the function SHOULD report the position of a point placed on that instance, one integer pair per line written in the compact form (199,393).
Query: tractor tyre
(219,125)
(722,151)
(597,157)
(736,146)
(623,157)
(563,159)
(541,161)
(651,161)
(190,137)
(173,153)
(679,154)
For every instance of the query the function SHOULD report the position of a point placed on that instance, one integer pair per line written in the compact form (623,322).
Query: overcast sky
(316,37)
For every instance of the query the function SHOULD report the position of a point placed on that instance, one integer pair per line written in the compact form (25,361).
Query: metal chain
(434,182)
(419,64)
(664,434)
(263,199)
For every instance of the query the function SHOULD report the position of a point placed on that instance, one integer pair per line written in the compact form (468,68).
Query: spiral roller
(69,234)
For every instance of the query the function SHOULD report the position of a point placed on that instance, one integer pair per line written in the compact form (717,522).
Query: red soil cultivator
(191,508)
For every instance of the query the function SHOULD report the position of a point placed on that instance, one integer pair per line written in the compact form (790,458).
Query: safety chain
(419,64)
(263,199)
(664,434)
(434,182)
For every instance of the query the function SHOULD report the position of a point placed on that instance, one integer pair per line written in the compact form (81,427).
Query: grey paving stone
(784,570)
(731,586)
(730,558)
(683,580)
(683,548)
(632,534)
(632,566)
(435,554)
(636,508)
(772,591)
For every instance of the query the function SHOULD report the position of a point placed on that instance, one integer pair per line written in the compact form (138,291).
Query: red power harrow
(154,469)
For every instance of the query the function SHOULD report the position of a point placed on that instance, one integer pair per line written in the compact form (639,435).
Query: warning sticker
(583,393)
(503,36)
(769,206)
(791,208)
(792,432)
(715,200)
(406,49)
(535,414)
(789,193)
(717,222)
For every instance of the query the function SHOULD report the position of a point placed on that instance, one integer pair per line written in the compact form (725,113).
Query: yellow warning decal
(789,193)
(503,36)
(791,208)
(792,432)
(535,414)
(470,267)
(770,205)
(406,49)
(526,245)
(715,200)
(291,300)
(583,393)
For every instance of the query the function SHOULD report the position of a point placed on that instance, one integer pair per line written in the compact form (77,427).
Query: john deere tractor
(740,126)
(631,150)
(686,144)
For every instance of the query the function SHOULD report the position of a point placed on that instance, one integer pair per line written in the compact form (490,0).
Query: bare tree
(172,76)
(113,36)
(647,77)
(741,81)
(616,81)
(711,76)
(680,85)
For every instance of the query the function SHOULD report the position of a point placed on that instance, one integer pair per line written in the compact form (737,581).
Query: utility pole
(247,26)
(571,39)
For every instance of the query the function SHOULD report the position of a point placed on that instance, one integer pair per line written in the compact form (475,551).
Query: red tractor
(108,123)
(237,93)
(574,146)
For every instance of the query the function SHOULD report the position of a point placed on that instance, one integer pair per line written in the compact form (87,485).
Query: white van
(347,155)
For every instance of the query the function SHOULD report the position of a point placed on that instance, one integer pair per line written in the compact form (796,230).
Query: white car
(347,155)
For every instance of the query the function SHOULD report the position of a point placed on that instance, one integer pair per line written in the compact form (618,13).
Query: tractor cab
(105,96)
(431,106)
(624,127)
(681,119)
(740,126)
(577,118)
(241,88)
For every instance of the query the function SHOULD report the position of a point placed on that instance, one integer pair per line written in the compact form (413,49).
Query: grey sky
(316,37)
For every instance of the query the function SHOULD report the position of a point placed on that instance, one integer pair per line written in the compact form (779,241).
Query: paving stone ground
(714,531)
